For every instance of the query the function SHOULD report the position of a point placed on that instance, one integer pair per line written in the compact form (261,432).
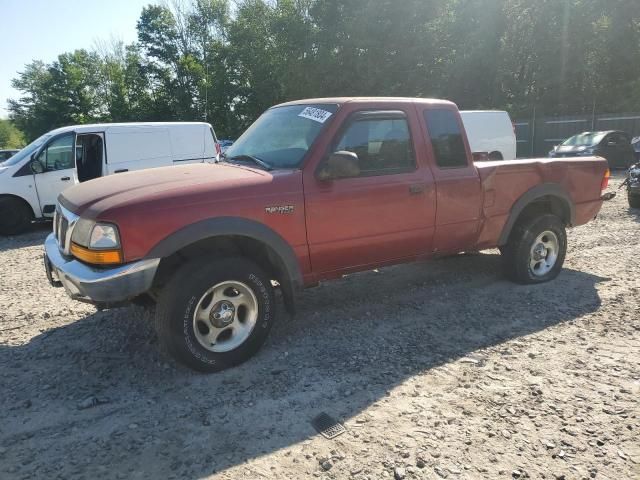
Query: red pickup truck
(313,190)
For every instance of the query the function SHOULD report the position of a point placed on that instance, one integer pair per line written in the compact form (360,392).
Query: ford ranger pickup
(313,190)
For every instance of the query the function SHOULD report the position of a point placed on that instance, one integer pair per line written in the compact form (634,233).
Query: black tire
(634,200)
(185,292)
(517,254)
(496,156)
(15,216)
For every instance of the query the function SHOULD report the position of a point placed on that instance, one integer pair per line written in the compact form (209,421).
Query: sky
(43,29)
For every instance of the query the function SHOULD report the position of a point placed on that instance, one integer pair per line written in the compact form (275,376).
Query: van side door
(137,147)
(89,156)
(57,162)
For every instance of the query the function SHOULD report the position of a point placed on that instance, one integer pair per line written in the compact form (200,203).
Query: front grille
(63,226)
(63,223)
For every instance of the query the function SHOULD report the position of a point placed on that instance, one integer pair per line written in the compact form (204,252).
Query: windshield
(584,139)
(26,151)
(282,136)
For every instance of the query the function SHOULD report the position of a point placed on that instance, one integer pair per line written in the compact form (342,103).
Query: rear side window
(618,139)
(446,138)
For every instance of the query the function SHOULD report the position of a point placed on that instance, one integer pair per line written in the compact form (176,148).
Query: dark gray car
(7,154)
(613,145)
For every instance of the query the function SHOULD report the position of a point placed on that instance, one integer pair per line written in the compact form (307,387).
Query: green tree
(10,136)
(63,93)
(204,60)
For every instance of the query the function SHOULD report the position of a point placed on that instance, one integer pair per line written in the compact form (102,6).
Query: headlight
(102,245)
(82,232)
(104,236)
(589,151)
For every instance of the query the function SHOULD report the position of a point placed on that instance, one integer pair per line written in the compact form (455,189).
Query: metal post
(533,132)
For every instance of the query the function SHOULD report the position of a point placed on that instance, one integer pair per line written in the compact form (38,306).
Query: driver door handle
(65,179)
(417,189)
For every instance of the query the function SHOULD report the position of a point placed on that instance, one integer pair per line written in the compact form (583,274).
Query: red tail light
(218,149)
(605,180)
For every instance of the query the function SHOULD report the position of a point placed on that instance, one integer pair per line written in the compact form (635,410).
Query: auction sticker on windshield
(315,114)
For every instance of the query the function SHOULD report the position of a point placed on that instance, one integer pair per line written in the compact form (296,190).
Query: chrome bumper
(110,285)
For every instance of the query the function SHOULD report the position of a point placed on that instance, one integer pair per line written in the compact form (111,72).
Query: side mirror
(37,167)
(340,165)
(480,156)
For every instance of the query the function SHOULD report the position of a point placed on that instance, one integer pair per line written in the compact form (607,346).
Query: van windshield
(281,137)
(26,151)
(586,139)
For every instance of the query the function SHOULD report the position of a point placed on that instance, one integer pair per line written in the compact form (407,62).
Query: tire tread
(515,254)
(170,304)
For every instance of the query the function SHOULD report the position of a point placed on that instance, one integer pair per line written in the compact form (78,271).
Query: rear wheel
(496,156)
(634,200)
(536,250)
(15,216)
(215,315)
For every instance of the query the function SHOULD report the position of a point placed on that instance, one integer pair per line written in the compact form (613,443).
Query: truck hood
(155,187)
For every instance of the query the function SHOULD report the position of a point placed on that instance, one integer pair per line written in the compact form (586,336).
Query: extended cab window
(58,155)
(446,138)
(383,145)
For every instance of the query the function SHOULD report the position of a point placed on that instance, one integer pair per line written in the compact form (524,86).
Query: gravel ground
(437,370)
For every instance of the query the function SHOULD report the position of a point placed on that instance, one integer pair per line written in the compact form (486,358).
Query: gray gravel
(437,370)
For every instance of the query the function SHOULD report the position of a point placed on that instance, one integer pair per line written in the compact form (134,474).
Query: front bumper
(102,286)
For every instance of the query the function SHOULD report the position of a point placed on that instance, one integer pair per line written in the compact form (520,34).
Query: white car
(32,179)
(490,131)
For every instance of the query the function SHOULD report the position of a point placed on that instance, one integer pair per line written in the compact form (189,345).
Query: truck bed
(504,182)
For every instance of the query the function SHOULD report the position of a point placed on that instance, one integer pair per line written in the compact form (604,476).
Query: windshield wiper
(252,158)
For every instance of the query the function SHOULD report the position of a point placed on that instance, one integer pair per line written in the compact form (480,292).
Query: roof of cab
(101,127)
(343,100)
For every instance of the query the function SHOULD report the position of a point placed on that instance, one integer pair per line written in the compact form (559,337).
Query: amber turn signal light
(96,257)
(605,180)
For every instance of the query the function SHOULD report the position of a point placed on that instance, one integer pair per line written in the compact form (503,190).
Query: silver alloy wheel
(544,253)
(225,316)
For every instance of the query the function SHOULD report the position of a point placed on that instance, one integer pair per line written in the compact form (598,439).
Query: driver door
(58,162)
(383,214)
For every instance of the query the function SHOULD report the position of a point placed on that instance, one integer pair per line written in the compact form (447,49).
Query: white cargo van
(490,131)
(32,179)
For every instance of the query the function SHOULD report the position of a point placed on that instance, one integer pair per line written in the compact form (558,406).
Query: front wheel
(634,200)
(215,315)
(15,216)
(536,250)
